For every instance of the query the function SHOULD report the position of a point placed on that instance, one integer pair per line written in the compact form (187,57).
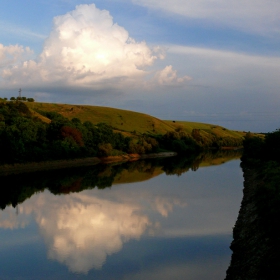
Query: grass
(129,122)
(136,176)
(122,120)
(206,128)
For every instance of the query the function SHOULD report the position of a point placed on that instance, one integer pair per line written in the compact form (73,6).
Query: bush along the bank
(27,137)
(179,142)
(259,151)
(24,138)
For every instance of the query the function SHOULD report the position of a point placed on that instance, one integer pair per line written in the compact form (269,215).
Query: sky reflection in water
(168,227)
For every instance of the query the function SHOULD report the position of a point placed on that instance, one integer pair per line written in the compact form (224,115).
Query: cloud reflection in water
(82,229)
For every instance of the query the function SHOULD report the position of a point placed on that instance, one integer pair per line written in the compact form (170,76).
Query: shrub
(70,132)
(104,149)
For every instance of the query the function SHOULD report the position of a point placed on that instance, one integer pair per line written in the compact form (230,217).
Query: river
(153,219)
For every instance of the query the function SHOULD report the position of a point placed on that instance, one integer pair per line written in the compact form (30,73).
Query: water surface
(145,220)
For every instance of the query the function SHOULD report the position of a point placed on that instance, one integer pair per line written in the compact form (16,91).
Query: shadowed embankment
(256,234)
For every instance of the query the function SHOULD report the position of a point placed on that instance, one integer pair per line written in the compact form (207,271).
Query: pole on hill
(19,93)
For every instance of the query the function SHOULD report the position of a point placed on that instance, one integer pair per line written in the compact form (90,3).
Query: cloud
(165,205)
(81,230)
(168,76)
(13,218)
(258,16)
(224,69)
(87,49)
(12,54)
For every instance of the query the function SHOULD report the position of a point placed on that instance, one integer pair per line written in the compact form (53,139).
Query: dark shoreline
(19,168)
(256,240)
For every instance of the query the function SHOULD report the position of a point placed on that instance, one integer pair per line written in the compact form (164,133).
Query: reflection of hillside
(15,189)
(215,157)
(82,229)
(135,176)
(90,231)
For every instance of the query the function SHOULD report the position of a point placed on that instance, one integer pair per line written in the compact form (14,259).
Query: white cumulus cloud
(168,76)
(13,218)
(85,48)
(165,205)
(13,54)
(81,231)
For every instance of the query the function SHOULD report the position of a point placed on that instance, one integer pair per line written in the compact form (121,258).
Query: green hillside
(131,122)
(34,132)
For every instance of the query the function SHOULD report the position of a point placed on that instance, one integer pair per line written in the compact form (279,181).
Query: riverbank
(256,240)
(18,168)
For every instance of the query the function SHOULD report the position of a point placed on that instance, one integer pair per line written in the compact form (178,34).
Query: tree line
(26,138)
(262,150)
(28,99)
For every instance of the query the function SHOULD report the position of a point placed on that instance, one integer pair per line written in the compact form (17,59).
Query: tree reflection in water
(82,229)
(18,188)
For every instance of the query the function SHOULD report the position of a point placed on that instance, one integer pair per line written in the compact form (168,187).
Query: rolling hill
(129,122)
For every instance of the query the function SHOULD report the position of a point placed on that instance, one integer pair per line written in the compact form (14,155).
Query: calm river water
(158,219)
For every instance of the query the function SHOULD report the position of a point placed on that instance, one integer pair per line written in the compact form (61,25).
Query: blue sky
(208,61)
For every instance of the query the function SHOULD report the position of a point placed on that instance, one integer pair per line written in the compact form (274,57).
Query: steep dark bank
(256,234)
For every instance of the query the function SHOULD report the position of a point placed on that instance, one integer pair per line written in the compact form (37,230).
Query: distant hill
(35,132)
(130,122)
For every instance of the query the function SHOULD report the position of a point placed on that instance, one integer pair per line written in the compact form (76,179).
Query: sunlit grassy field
(129,121)
(122,120)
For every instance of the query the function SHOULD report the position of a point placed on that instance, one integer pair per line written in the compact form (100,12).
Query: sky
(211,61)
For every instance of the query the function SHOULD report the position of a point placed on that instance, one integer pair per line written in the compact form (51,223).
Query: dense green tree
(27,138)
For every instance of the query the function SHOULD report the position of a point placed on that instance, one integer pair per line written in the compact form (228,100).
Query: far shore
(18,168)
